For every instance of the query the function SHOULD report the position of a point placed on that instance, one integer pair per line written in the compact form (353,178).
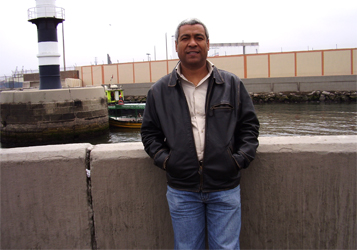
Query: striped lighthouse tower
(47,16)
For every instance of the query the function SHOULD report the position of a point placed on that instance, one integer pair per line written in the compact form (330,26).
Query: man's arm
(152,135)
(247,130)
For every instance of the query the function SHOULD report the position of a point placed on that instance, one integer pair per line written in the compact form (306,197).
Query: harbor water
(279,120)
(275,120)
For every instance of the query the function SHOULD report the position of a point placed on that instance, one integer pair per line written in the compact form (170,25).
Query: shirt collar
(209,64)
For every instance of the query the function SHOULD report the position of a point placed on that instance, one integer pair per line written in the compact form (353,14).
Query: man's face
(192,46)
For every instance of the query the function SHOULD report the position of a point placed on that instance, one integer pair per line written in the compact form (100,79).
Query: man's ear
(176,45)
(208,43)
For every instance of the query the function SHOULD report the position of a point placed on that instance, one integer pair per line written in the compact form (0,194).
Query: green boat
(114,94)
(123,115)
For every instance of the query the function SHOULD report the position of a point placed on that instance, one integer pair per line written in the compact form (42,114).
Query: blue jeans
(190,211)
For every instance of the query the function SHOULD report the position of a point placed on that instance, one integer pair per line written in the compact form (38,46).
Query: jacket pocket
(236,162)
(221,107)
(161,157)
(166,160)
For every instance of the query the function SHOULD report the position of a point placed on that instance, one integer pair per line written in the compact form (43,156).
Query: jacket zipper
(188,112)
(200,169)
(200,163)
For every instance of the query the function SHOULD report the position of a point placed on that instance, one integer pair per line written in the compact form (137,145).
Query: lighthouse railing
(46,12)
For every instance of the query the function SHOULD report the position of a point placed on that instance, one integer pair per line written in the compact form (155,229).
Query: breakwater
(305,97)
(34,117)
(288,97)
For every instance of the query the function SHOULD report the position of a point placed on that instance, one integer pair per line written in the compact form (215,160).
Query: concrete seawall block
(44,202)
(89,94)
(300,193)
(129,202)
(35,96)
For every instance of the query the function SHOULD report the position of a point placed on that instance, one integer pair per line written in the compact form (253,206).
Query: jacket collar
(174,76)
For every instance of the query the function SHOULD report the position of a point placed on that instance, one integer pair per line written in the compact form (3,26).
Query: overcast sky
(128,30)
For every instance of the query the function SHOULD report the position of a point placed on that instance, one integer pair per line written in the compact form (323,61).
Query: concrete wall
(299,193)
(35,77)
(284,64)
(44,201)
(301,84)
(33,80)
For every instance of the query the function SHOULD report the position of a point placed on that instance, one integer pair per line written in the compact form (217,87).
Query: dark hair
(191,21)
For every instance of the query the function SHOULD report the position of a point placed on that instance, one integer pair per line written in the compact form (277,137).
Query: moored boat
(123,115)
(128,115)
(120,123)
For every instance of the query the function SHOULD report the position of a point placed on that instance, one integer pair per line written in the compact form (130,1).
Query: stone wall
(299,193)
(37,117)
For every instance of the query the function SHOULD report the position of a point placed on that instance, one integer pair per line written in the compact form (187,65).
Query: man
(200,126)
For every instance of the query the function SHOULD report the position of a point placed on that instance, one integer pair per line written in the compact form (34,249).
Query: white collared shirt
(196,100)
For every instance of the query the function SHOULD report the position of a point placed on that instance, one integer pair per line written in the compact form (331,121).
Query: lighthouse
(47,16)
(51,114)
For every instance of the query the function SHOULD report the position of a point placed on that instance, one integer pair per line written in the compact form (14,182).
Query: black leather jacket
(231,138)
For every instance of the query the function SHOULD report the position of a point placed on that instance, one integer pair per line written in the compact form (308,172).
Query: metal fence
(17,78)
(11,82)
